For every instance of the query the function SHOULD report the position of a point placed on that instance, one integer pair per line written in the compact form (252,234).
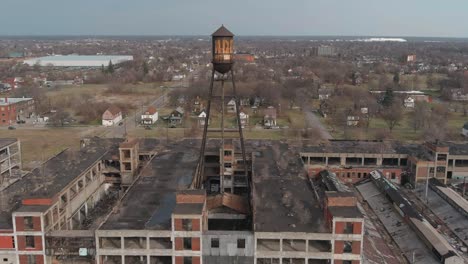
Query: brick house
(13,109)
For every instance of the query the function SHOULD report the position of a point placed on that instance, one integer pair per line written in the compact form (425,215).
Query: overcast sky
(432,18)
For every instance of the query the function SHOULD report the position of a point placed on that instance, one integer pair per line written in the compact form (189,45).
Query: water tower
(223,61)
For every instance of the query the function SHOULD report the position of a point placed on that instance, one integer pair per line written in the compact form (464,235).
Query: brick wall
(339,227)
(6,242)
(357,228)
(195,224)
(19,221)
(179,243)
(341,201)
(196,260)
(179,260)
(356,247)
(190,198)
(195,243)
(339,245)
(178,224)
(37,223)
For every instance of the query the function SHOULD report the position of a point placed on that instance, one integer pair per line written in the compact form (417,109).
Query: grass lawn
(41,144)
(403,131)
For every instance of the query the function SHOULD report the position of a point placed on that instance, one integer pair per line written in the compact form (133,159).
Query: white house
(231,106)
(150,116)
(202,119)
(465,130)
(111,116)
(244,119)
(409,102)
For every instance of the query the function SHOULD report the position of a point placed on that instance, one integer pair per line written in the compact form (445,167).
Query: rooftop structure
(78,60)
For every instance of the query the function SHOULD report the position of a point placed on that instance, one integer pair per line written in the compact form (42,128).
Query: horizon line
(195,35)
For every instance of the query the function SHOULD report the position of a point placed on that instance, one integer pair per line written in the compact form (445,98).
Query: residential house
(150,116)
(231,106)
(465,130)
(112,116)
(352,120)
(14,109)
(202,119)
(269,118)
(324,93)
(176,116)
(244,119)
(409,102)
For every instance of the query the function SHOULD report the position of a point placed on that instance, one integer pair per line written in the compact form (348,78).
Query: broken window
(347,248)
(30,243)
(31,259)
(28,223)
(240,243)
(187,224)
(215,243)
(187,260)
(187,243)
(348,229)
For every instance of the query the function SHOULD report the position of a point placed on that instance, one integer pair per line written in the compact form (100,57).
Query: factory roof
(7,141)
(150,202)
(282,191)
(354,146)
(78,60)
(48,179)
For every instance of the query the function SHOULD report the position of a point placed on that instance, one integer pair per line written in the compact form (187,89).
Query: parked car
(20,122)
(11,128)
(121,123)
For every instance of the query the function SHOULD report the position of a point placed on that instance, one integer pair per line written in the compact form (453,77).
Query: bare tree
(392,116)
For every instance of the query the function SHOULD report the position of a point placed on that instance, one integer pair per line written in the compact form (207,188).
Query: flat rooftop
(7,141)
(353,146)
(56,173)
(48,179)
(150,202)
(283,199)
(78,60)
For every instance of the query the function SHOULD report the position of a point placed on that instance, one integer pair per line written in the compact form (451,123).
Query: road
(314,123)
(129,123)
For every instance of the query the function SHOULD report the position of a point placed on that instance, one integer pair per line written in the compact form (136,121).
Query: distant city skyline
(418,18)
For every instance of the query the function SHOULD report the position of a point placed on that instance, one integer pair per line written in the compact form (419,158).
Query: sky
(421,18)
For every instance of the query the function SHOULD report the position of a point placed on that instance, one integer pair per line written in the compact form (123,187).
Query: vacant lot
(40,144)
(403,131)
(87,102)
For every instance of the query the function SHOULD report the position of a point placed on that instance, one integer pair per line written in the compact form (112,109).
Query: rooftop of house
(114,110)
(150,111)
(150,202)
(283,192)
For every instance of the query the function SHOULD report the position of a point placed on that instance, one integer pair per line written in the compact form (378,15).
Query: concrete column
(362,161)
(379,161)
(308,160)
(399,161)
(342,161)
(281,245)
(326,161)
(307,247)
